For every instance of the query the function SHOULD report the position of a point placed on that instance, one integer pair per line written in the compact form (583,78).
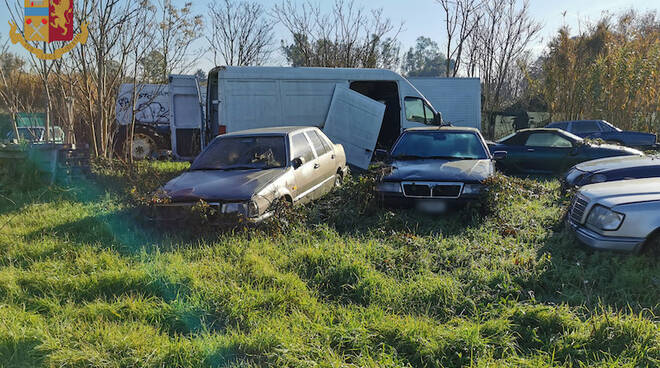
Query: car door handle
(332,156)
(367,150)
(316,166)
(530,150)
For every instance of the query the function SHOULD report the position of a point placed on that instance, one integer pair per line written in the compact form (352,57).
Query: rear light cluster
(222,129)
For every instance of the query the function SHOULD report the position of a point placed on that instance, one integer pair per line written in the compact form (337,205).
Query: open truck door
(186,117)
(354,121)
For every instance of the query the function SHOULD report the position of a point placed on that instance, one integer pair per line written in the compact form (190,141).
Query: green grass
(85,282)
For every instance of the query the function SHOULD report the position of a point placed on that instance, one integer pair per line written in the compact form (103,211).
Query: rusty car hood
(468,171)
(220,185)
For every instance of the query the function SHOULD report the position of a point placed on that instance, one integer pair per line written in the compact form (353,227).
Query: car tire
(339,180)
(652,245)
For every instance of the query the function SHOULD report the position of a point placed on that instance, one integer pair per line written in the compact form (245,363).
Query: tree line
(608,70)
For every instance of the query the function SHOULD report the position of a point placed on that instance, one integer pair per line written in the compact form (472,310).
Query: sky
(424,18)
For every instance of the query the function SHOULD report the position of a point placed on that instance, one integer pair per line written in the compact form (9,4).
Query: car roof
(443,128)
(576,121)
(270,131)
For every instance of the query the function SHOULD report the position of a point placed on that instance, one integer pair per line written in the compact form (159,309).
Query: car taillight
(222,129)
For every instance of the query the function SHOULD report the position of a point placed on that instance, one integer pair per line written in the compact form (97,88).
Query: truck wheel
(144,145)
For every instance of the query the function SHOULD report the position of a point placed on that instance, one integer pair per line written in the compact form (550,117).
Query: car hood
(615,193)
(210,185)
(618,162)
(441,170)
(615,148)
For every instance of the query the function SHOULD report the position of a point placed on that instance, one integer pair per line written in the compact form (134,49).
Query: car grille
(447,191)
(578,207)
(417,190)
(432,190)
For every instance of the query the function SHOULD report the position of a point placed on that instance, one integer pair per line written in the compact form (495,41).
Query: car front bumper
(185,211)
(394,199)
(598,241)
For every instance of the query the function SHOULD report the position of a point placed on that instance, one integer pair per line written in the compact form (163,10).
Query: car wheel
(652,246)
(143,146)
(339,179)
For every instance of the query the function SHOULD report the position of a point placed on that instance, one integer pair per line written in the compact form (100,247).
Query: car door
(354,121)
(326,161)
(307,175)
(546,152)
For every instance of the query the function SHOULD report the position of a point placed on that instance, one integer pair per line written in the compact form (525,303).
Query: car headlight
(604,218)
(248,209)
(389,187)
(472,188)
(598,178)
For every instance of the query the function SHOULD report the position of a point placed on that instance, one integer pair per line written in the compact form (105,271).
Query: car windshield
(236,153)
(439,144)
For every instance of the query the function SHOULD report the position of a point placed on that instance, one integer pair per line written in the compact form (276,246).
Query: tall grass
(85,281)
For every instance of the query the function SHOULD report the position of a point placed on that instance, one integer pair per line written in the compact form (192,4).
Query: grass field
(84,282)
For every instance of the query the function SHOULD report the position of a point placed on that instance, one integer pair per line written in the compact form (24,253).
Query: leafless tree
(502,39)
(239,33)
(176,31)
(461,20)
(347,36)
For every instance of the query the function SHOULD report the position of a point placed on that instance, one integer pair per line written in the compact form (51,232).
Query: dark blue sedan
(601,129)
(612,169)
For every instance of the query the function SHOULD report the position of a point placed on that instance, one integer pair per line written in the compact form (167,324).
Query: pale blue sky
(424,17)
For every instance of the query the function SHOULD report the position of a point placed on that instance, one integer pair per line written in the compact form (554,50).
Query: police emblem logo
(48,21)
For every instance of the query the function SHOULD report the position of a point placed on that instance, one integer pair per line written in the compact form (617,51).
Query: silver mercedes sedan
(618,215)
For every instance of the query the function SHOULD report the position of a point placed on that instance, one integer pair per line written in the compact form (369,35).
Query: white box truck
(459,99)
(363,109)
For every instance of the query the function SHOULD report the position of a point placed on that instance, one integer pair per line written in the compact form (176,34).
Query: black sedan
(545,151)
(613,168)
(434,167)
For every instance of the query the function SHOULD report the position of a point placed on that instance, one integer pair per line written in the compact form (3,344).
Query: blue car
(613,169)
(601,129)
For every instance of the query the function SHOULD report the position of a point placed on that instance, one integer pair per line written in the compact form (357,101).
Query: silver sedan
(618,215)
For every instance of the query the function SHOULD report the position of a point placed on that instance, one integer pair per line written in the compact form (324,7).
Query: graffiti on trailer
(151,109)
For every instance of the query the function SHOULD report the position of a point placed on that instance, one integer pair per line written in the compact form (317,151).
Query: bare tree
(503,36)
(177,29)
(239,33)
(347,36)
(461,20)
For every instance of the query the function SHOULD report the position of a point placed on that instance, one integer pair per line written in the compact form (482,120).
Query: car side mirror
(437,118)
(499,155)
(297,162)
(381,155)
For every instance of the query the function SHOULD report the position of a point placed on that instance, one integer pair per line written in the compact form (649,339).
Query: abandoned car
(434,167)
(545,151)
(244,173)
(612,169)
(601,129)
(619,216)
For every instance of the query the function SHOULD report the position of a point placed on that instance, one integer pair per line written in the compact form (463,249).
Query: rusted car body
(244,173)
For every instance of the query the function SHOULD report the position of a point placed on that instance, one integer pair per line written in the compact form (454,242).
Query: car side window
(319,144)
(417,111)
(606,127)
(547,140)
(585,127)
(300,147)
